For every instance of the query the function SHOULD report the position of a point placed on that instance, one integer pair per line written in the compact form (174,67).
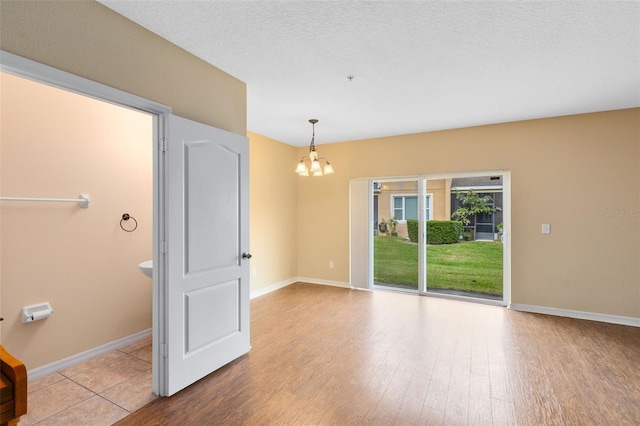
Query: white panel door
(207,287)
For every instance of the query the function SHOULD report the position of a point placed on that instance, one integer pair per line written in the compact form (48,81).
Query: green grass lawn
(471,266)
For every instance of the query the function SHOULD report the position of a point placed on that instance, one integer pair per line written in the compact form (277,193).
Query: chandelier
(311,163)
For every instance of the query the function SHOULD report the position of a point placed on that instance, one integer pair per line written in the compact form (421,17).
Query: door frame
(35,71)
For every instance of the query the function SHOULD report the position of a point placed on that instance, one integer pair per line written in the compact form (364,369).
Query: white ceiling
(416,65)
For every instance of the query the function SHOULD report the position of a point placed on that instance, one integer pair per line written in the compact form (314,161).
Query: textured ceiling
(416,65)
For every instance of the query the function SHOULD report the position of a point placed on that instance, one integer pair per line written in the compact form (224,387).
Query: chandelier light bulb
(328,169)
(315,166)
(301,167)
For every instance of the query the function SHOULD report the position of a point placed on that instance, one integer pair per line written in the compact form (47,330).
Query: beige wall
(273,212)
(56,144)
(571,172)
(440,190)
(385,212)
(89,40)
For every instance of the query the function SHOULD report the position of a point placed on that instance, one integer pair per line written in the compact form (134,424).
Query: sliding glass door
(395,256)
(472,266)
(440,235)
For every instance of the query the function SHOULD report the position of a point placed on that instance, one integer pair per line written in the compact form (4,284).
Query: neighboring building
(399,199)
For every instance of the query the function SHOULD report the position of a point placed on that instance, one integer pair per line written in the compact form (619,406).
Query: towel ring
(126,217)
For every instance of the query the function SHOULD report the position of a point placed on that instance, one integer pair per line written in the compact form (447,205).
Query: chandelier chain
(313,134)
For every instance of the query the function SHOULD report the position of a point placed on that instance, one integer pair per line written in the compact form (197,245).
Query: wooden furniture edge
(17,373)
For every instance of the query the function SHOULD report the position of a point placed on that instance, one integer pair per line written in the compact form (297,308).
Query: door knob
(246,255)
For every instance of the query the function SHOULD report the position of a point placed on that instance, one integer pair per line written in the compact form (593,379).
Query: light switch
(546,228)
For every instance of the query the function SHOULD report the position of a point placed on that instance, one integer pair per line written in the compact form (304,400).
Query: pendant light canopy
(311,164)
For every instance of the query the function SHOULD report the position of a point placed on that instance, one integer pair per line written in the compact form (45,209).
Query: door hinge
(163,350)
(164,145)
(165,247)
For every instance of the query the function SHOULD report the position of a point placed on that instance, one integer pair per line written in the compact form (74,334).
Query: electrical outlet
(331,264)
(546,228)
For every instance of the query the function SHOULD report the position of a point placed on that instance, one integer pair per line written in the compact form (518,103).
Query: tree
(472,203)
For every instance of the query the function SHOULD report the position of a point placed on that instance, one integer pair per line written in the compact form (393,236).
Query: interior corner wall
(90,40)
(580,173)
(273,212)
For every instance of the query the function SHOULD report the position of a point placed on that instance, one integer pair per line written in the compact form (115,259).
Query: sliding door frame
(422,246)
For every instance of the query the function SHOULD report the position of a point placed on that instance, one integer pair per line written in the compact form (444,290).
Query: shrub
(438,231)
(412,229)
(443,231)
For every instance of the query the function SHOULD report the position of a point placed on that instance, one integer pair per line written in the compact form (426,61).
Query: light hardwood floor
(323,355)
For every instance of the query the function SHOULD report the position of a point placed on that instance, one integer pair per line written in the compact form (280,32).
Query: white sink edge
(147,268)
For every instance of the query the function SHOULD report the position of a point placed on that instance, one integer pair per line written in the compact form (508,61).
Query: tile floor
(99,391)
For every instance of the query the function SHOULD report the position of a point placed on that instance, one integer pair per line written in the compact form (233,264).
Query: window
(486,217)
(406,207)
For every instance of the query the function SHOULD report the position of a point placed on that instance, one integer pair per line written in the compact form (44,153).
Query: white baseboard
(282,284)
(613,319)
(272,287)
(323,282)
(54,367)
